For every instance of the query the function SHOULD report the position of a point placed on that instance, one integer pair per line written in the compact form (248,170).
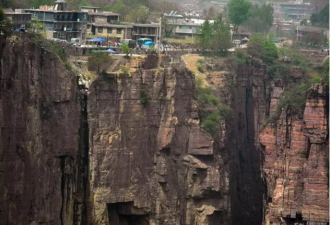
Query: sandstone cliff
(69,156)
(129,150)
(150,163)
(296,154)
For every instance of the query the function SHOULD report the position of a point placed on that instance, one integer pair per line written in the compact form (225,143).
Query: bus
(141,41)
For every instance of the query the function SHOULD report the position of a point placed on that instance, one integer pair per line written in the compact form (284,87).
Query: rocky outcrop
(151,163)
(41,151)
(296,162)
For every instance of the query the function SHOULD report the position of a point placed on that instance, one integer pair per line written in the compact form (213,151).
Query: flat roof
(144,25)
(103,14)
(89,7)
(111,25)
(13,13)
(54,11)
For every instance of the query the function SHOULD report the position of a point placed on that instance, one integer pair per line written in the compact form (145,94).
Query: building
(296,11)
(61,23)
(151,31)
(18,18)
(103,17)
(112,32)
(90,9)
(186,27)
(309,33)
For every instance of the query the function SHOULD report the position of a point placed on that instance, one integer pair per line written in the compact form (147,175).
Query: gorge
(129,149)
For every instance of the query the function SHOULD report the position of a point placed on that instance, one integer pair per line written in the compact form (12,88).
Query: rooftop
(312,29)
(89,7)
(54,11)
(145,25)
(103,14)
(111,25)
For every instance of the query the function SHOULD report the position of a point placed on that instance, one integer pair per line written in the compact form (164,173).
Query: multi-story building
(18,18)
(151,31)
(296,11)
(112,32)
(61,23)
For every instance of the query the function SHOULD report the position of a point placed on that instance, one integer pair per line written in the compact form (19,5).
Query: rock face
(130,151)
(40,148)
(296,162)
(249,104)
(150,163)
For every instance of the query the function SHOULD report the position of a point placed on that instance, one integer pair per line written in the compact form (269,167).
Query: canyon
(129,149)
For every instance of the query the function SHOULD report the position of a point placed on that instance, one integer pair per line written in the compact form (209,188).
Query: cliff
(130,150)
(150,163)
(127,151)
(296,161)
(41,181)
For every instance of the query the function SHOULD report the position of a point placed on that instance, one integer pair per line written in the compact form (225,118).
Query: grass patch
(68,66)
(200,69)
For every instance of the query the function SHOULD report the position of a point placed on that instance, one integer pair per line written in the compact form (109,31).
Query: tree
(168,28)
(261,18)
(126,49)
(5,24)
(163,6)
(303,22)
(238,12)
(138,16)
(321,18)
(98,61)
(35,26)
(220,35)
(215,36)
(204,38)
(262,49)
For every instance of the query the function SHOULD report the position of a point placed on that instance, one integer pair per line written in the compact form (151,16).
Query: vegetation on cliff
(211,110)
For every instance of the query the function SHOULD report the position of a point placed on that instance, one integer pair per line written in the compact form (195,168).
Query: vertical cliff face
(129,150)
(150,162)
(296,161)
(249,106)
(40,157)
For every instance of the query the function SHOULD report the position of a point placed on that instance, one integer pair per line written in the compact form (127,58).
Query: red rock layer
(296,163)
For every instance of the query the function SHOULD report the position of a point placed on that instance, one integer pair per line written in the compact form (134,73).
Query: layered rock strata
(296,154)
(150,162)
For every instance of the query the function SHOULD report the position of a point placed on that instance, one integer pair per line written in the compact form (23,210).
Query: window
(100,30)
(118,31)
(109,30)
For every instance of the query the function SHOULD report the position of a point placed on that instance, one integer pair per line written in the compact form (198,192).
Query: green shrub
(200,69)
(211,111)
(263,49)
(240,55)
(201,61)
(124,69)
(68,66)
(292,56)
(294,100)
(126,49)
(58,50)
(144,97)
